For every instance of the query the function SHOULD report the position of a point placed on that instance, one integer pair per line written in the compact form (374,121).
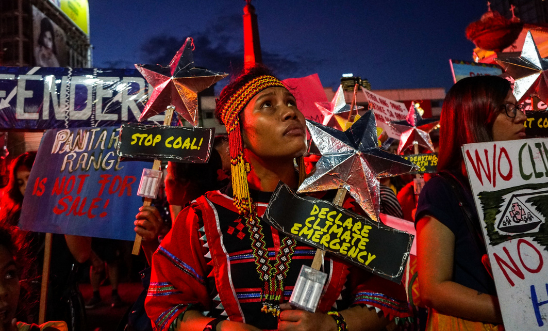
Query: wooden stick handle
(155,166)
(45,280)
(318,258)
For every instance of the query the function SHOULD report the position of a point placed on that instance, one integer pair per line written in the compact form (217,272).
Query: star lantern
(352,159)
(528,71)
(177,84)
(414,129)
(336,112)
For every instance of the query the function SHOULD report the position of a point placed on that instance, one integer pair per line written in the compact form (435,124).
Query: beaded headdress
(230,117)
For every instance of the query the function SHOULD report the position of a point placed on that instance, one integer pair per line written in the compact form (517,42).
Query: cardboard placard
(78,186)
(169,143)
(385,111)
(536,124)
(509,181)
(349,236)
(463,69)
(426,163)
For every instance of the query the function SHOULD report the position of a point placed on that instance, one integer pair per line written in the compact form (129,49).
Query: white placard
(509,181)
(386,110)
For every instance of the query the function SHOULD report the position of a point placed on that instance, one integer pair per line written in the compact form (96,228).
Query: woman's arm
(79,247)
(435,251)
(357,318)
(194,320)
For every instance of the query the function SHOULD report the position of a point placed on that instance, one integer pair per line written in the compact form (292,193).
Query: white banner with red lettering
(386,110)
(509,181)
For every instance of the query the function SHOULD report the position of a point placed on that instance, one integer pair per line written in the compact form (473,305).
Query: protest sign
(307,91)
(370,245)
(47,98)
(170,143)
(509,181)
(385,111)
(463,69)
(426,163)
(78,186)
(536,124)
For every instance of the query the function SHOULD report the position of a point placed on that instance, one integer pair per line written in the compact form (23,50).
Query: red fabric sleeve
(384,295)
(179,272)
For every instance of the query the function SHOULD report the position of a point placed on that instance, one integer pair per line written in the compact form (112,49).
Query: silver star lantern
(335,112)
(415,130)
(528,71)
(177,84)
(352,160)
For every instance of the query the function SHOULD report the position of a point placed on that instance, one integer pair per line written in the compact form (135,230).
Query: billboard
(77,11)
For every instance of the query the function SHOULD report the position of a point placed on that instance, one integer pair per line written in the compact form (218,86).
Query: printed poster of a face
(49,41)
(509,181)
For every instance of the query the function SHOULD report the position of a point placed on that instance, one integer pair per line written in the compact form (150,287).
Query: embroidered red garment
(205,261)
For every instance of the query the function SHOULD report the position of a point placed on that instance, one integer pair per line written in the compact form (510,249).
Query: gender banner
(169,143)
(509,181)
(46,98)
(78,186)
(426,163)
(370,245)
(463,69)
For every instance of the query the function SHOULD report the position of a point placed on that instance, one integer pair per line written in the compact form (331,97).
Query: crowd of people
(214,264)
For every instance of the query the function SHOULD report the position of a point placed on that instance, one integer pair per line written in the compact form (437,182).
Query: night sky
(394,44)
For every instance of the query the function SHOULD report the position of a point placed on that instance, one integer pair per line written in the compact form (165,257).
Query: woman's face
(506,128)
(272,125)
(22,176)
(9,288)
(48,40)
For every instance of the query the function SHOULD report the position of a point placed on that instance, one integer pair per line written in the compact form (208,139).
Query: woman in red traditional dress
(211,271)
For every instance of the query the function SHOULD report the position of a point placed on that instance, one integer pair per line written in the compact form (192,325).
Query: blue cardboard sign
(78,186)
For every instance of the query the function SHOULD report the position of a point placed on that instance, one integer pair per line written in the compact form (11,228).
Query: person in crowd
(453,281)
(69,251)
(187,181)
(45,52)
(208,272)
(184,183)
(13,193)
(105,251)
(12,261)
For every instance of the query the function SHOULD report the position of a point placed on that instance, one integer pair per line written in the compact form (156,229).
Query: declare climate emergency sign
(79,186)
(509,181)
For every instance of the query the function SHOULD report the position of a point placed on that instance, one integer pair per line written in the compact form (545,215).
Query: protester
(184,183)
(12,260)
(187,181)
(105,251)
(68,252)
(453,282)
(12,198)
(205,274)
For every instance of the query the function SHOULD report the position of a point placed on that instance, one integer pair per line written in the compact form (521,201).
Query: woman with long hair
(12,262)
(453,281)
(14,192)
(213,270)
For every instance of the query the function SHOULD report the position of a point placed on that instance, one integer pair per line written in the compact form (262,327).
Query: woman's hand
(149,224)
(301,320)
